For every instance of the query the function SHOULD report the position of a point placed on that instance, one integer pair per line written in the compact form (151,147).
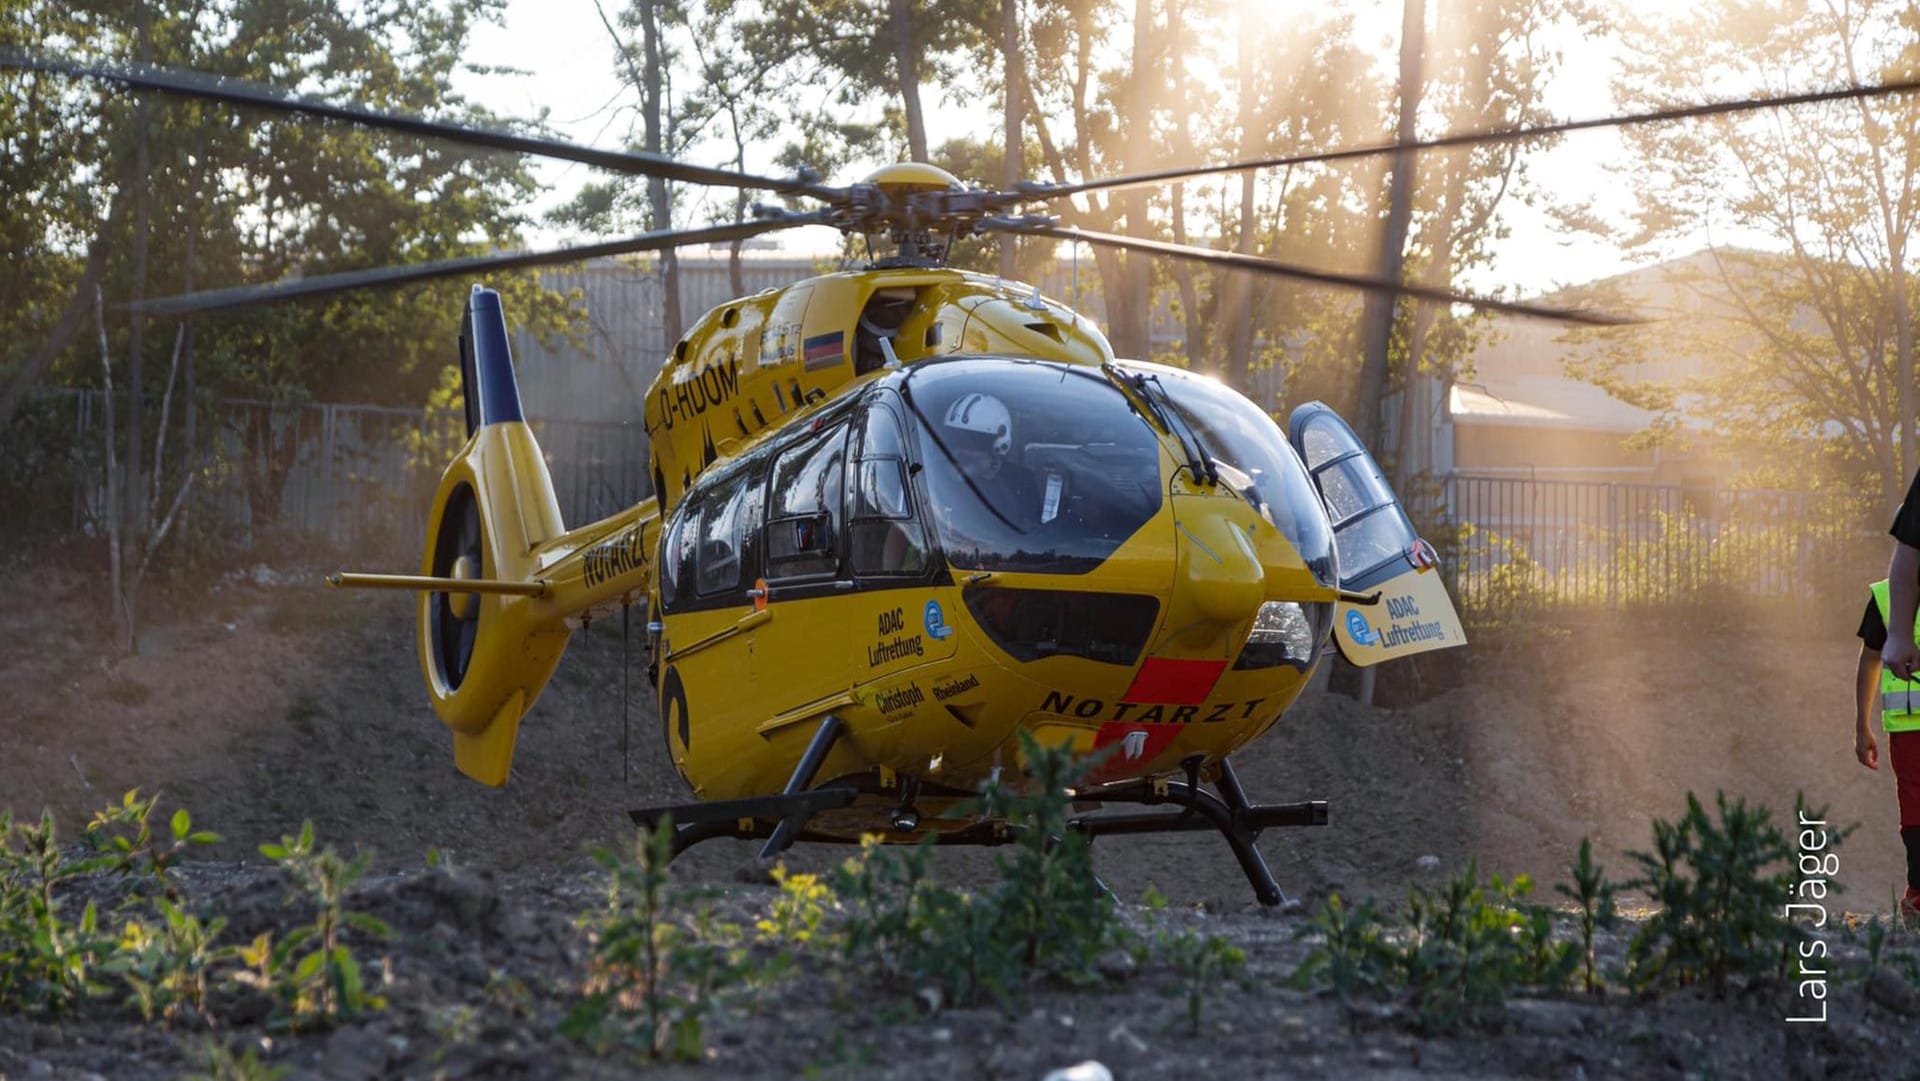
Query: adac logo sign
(935,621)
(1357,627)
(1414,614)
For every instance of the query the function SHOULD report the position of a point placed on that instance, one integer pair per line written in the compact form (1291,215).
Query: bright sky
(565,49)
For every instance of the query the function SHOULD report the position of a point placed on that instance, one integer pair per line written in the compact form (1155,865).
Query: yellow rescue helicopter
(902,514)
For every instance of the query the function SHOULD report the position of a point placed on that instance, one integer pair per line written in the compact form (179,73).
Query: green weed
(48,961)
(658,972)
(1720,882)
(312,973)
(1456,952)
(1597,909)
(224,1065)
(1047,917)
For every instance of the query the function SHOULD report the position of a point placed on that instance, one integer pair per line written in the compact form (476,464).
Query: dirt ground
(266,699)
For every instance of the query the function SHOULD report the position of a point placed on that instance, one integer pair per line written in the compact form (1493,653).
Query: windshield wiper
(1198,458)
(1133,387)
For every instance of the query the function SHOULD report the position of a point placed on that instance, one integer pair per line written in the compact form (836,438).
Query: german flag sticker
(823,350)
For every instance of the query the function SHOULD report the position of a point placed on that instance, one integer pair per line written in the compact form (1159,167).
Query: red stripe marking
(1174,682)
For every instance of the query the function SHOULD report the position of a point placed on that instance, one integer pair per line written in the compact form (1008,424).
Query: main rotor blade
(247,295)
(1366,283)
(1475,137)
(241,92)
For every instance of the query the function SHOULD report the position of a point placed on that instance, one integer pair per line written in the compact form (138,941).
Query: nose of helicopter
(1219,581)
(1219,571)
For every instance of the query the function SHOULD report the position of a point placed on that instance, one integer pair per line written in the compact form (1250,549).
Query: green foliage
(48,961)
(1200,963)
(1456,952)
(1047,916)
(51,962)
(797,913)
(168,964)
(1594,896)
(659,970)
(312,973)
(225,1065)
(1721,882)
(1468,945)
(123,837)
(1354,955)
(1798,335)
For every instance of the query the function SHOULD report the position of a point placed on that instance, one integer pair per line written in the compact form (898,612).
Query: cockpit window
(884,537)
(1031,466)
(1255,458)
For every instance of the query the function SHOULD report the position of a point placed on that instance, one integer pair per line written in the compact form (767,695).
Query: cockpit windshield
(1031,466)
(1253,456)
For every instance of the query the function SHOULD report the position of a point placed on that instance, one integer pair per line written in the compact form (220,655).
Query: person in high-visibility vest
(1899,708)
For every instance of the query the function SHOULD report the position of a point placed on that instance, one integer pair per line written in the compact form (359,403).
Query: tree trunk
(1377,313)
(1194,339)
(736,273)
(1012,128)
(906,63)
(1131,313)
(1237,289)
(136,520)
(659,202)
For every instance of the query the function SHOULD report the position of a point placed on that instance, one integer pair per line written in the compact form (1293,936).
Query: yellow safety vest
(1899,698)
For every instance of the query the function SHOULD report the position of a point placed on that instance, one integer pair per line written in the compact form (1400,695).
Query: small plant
(312,972)
(1047,917)
(1202,962)
(168,964)
(1469,944)
(1457,952)
(1597,909)
(656,975)
(47,961)
(123,841)
(1354,955)
(1719,881)
(798,912)
(224,1065)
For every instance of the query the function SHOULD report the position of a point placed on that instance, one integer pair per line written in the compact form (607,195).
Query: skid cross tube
(1238,821)
(816,753)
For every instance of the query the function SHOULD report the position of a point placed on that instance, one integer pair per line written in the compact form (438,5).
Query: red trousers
(1903,748)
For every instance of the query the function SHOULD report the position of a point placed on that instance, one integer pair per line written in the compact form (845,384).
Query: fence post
(1613,547)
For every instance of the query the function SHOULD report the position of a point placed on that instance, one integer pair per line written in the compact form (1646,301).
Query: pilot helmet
(981,422)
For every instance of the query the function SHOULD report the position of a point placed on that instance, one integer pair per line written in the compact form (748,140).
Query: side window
(803,513)
(676,563)
(884,537)
(722,528)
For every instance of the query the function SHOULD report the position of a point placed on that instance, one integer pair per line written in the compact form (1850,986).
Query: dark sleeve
(1873,629)
(1906,524)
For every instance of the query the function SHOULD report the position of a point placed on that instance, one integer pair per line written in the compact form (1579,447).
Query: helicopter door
(1377,548)
(798,653)
(898,623)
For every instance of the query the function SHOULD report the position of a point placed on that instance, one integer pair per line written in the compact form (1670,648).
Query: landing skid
(1225,810)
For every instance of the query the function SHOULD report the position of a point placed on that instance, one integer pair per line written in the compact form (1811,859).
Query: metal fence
(339,476)
(1521,545)
(354,477)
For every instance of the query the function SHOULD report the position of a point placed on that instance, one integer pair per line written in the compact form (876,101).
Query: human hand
(1866,749)
(1900,656)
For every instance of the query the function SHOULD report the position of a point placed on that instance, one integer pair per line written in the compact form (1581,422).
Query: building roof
(1543,401)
